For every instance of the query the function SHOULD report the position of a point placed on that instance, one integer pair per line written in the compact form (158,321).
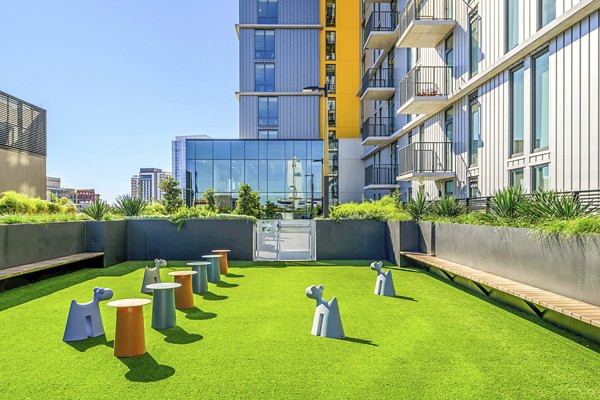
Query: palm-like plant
(130,206)
(550,205)
(506,203)
(419,206)
(98,210)
(447,206)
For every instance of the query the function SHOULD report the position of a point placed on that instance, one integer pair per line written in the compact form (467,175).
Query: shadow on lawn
(230,275)
(83,345)
(145,368)
(223,284)
(210,296)
(178,335)
(360,341)
(197,314)
(406,298)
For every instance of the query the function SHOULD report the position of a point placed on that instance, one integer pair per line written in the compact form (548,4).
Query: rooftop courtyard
(249,337)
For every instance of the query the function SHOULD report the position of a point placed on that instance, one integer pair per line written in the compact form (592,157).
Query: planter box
(29,243)
(351,240)
(402,236)
(150,239)
(109,237)
(563,265)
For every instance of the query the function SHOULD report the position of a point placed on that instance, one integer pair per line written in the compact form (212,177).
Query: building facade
(286,46)
(22,147)
(474,96)
(145,185)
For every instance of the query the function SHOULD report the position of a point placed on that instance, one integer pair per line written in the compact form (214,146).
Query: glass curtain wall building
(282,171)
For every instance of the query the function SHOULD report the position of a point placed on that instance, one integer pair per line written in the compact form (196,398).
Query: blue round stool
(214,272)
(200,280)
(163,306)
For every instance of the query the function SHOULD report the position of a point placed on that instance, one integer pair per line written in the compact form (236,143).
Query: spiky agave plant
(551,205)
(506,203)
(98,210)
(418,206)
(130,206)
(447,206)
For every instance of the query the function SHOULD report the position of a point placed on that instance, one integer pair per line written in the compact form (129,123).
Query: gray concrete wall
(150,239)
(109,237)
(29,243)
(351,240)
(426,237)
(401,236)
(567,266)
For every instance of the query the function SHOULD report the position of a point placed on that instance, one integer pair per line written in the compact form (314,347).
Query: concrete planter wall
(351,240)
(401,236)
(109,237)
(150,239)
(28,243)
(567,266)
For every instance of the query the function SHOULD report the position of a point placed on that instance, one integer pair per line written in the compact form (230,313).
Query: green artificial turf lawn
(250,338)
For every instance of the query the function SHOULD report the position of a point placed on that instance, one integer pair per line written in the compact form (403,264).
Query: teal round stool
(200,280)
(214,273)
(163,306)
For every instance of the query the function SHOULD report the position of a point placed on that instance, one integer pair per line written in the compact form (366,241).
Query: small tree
(248,202)
(270,210)
(172,198)
(209,197)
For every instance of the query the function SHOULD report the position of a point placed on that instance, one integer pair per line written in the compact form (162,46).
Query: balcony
(375,128)
(425,23)
(378,84)
(382,176)
(425,90)
(427,160)
(381,30)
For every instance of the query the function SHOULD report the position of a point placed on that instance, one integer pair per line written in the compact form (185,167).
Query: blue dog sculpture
(384,286)
(327,322)
(84,320)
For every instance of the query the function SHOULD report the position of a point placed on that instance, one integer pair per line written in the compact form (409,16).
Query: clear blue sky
(120,79)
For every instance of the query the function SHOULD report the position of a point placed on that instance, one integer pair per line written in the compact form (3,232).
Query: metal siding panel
(248,117)
(247,60)
(299,12)
(299,117)
(248,11)
(297,59)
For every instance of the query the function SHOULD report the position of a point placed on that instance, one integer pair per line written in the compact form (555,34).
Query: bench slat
(41,265)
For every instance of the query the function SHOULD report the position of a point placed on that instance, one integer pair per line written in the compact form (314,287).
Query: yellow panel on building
(347,63)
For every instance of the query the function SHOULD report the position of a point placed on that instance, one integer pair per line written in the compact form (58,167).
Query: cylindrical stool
(184,297)
(213,270)
(223,262)
(163,308)
(200,280)
(129,337)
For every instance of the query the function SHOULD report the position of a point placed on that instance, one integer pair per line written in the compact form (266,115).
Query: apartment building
(145,184)
(287,46)
(474,96)
(22,147)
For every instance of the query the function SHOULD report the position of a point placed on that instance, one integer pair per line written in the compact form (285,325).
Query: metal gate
(285,240)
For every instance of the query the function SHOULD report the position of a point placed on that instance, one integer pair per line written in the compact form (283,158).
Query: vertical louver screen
(22,126)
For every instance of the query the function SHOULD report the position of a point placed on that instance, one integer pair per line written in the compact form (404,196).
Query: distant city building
(81,198)
(145,185)
(22,147)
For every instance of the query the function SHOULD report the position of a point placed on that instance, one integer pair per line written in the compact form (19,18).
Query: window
(422,133)
(517,111)
(331,112)
(512,24)
(448,188)
(516,178)
(473,131)
(473,45)
(267,11)
(449,124)
(264,44)
(474,187)
(449,58)
(267,111)
(330,13)
(540,178)
(541,103)
(546,12)
(330,77)
(449,9)
(267,134)
(330,46)
(264,77)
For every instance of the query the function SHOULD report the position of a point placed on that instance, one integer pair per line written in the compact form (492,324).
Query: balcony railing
(381,21)
(426,84)
(378,78)
(424,23)
(425,157)
(377,127)
(382,174)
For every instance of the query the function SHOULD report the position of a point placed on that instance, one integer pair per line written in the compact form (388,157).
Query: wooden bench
(532,296)
(20,270)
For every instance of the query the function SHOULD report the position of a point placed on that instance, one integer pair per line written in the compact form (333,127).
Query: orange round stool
(184,296)
(223,263)
(129,337)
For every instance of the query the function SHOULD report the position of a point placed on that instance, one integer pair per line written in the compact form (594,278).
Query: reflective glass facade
(280,170)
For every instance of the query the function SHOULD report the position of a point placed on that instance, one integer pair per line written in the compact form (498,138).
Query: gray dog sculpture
(84,320)
(327,322)
(152,275)
(384,286)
